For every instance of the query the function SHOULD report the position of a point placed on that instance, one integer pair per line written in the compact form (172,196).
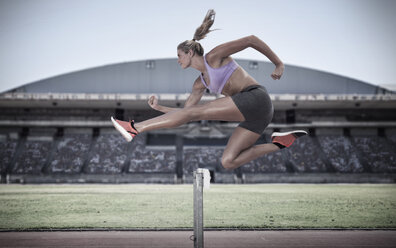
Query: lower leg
(236,155)
(223,109)
(168,120)
(248,155)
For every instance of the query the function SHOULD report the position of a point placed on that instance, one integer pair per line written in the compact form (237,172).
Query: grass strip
(270,206)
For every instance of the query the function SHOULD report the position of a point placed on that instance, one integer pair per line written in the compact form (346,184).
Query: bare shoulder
(215,61)
(221,54)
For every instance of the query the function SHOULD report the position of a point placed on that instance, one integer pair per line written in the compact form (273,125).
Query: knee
(227,162)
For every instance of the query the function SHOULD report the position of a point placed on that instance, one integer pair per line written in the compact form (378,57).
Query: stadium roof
(164,76)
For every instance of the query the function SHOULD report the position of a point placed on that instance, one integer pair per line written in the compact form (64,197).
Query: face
(184,59)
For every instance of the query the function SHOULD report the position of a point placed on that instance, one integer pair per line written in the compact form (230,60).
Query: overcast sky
(45,38)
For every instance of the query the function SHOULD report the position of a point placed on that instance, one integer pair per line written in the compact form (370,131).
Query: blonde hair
(199,34)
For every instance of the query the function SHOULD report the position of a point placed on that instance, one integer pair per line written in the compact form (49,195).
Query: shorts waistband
(252,87)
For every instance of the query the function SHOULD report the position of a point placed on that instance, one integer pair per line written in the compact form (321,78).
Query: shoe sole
(277,134)
(120,129)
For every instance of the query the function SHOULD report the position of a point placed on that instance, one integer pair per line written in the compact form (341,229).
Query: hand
(277,74)
(153,102)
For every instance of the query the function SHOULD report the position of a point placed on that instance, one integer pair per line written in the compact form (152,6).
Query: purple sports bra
(218,76)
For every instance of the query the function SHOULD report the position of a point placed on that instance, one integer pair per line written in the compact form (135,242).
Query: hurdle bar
(201,181)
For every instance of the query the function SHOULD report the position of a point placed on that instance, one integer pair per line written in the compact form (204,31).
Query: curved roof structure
(166,76)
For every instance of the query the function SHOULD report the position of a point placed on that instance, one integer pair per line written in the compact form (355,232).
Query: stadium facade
(58,129)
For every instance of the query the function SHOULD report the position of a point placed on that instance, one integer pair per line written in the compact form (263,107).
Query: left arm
(227,49)
(197,92)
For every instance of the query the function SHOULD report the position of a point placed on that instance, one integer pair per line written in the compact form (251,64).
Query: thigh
(222,109)
(256,106)
(240,140)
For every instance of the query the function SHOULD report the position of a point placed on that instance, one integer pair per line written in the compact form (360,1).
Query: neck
(198,63)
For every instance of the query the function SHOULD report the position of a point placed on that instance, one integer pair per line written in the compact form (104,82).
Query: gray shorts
(256,106)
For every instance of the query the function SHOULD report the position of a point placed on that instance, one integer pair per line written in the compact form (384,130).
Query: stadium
(58,130)
(69,179)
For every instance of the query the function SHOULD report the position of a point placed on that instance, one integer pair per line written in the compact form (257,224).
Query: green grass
(171,206)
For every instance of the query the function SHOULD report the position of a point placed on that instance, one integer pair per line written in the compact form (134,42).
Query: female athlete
(245,101)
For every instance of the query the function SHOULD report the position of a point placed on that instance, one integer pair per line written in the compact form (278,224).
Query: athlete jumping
(244,101)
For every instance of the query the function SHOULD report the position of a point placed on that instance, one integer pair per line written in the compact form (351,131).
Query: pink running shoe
(286,139)
(127,129)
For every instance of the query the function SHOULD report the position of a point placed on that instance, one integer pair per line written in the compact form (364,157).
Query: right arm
(227,49)
(196,94)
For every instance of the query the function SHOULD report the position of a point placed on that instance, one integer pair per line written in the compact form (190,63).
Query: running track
(226,239)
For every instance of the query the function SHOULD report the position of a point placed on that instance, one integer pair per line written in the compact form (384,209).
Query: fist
(153,102)
(277,74)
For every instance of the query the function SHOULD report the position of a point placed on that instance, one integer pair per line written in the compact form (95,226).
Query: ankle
(279,146)
(138,127)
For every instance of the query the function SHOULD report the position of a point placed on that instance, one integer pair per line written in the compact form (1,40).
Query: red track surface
(226,239)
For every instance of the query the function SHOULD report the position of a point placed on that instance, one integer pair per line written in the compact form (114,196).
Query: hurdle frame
(198,208)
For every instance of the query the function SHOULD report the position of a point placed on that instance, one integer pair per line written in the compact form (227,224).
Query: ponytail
(199,34)
(207,23)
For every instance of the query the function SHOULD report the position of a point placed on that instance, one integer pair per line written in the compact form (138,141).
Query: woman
(245,100)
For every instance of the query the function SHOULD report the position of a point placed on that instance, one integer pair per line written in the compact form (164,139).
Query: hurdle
(201,181)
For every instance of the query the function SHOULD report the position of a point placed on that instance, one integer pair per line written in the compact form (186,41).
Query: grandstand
(58,129)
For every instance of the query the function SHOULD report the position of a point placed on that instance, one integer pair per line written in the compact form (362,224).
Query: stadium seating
(392,138)
(201,157)
(8,146)
(340,153)
(108,154)
(33,157)
(102,153)
(376,153)
(33,154)
(145,159)
(306,156)
(71,151)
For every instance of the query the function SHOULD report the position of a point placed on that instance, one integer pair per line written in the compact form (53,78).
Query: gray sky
(44,38)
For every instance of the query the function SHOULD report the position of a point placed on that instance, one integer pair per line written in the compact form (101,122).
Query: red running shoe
(286,139)
(127,129)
